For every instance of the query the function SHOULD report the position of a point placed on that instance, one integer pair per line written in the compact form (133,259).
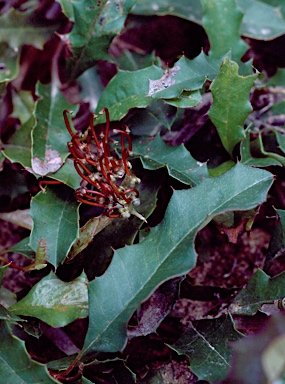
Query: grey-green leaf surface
(261,289)
(222,20)
(95,25)
(15,364)
(231,103)
(18,150)
(188,9)
(261,21)
(180,164)
(168,251)
(49,136)
(55,216)
(54,301)
(206,342)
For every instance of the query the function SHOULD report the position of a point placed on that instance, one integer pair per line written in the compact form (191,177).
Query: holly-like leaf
(54,301)
(186,75)
(49,136)
(95,25)
(180,164)
(127,90)
(55,216)
(231,103)
(18,28)
(222,23)
(206,342)
(261,289)
(262,21)
(15,364)
(168,251)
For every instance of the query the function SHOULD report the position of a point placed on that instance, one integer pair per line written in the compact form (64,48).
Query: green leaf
(49,136)
(222,20)
(18,150)
(23,247)
(93,30)
(261,21)
(186,75)
(150,120)
(168,251)
(15,364)
(3,270)
(206,342)
(54,301)
(55,216)
(277,241)
(187,99)
(98,255)
(9,59)
(87,233)
(187,9)
(18,28)
(261,289)
(247,158)
(231,103)
(67,175)
(180,164)
(127,90)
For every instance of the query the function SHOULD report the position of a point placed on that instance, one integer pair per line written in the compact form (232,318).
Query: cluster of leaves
(199,148)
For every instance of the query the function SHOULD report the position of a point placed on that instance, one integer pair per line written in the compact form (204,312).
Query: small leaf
(87,233)
(180,164)
(23,247)
(168,251)
(231,103)
(222,20)
(40,257)
(247,158)
(15,364)
(49,136)
(54,301)
(206,342)
(55,216)
(187,99)
(93,30)
(261,289)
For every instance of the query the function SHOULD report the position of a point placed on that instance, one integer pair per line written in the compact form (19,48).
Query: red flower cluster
(107,181)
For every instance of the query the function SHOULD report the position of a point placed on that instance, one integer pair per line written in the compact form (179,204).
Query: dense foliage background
(194,294)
